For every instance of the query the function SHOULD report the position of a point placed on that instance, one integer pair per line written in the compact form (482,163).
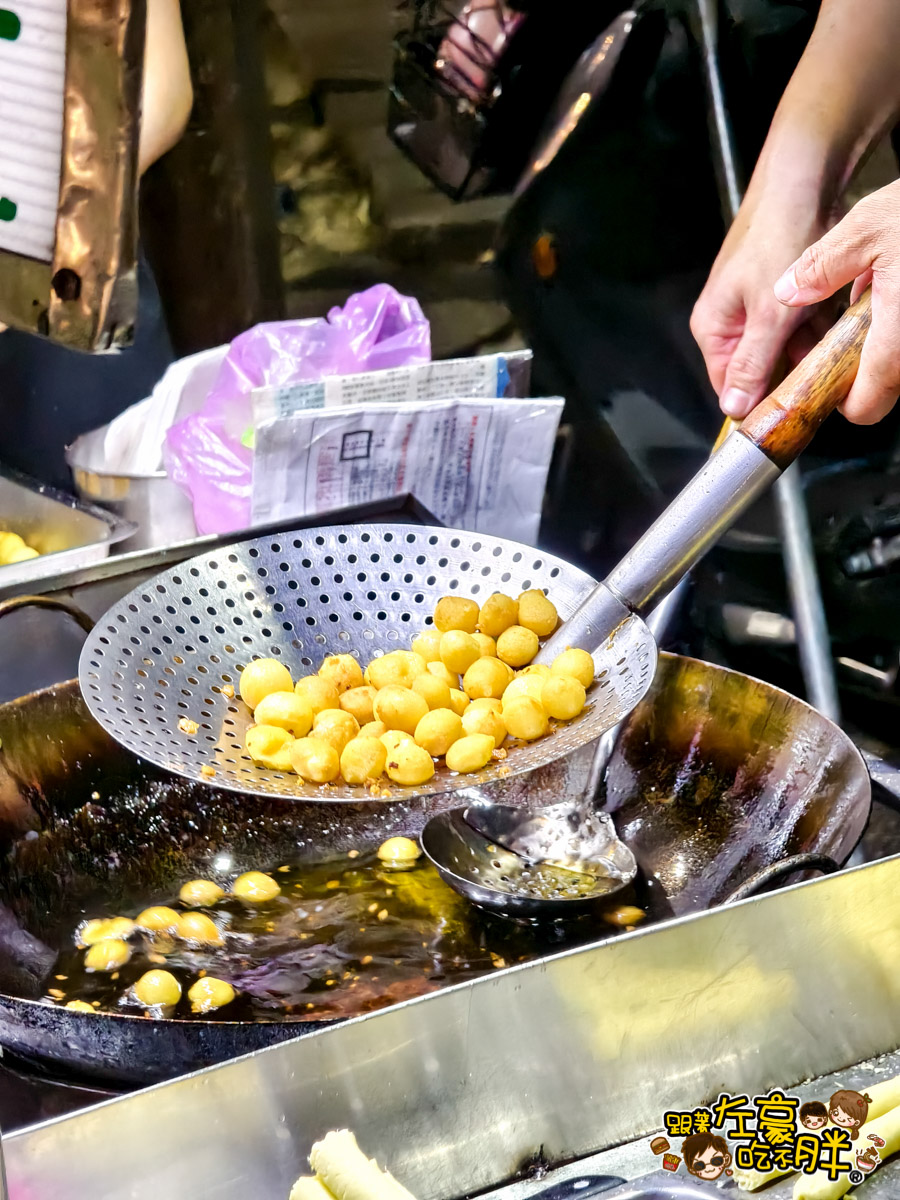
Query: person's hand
(863,248)
(741,328)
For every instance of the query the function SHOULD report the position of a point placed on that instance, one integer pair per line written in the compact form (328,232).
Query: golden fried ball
(576,663)
(454,612)
(488,677)
(458,651)
(438,730)
(158,919)
(20,555)
(80,1006)
(255,887)
(262,676)
(343,671)
(487,702)
(109,927)
(537,613)
(158,989)
(459,701)
(399,850)
(497,614)
(433,691)
(530,686)
(363,759)
(400,708)
(562,697)
(400,668)
(439,671)
(286,710)
(315,760)
(536,669)
(209,993)
(10,543)
(428,645)
(200,893)
(486,645)
(269,746)
(320,694)
(358,702)
(484,720)
(108,955)
(470,753)
(394,738)
(517,645)
(336,727)
(525,719)
(409,764)
(374,729)
(198,927)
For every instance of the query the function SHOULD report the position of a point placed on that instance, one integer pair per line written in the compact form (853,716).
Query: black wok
(719,783)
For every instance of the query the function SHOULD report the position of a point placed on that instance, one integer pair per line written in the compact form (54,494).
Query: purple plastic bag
(204,455)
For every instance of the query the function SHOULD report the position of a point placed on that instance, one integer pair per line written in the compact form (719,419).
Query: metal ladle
(550,863)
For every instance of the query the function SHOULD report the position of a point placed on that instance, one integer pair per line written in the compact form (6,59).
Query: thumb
(836,259)
(750,368)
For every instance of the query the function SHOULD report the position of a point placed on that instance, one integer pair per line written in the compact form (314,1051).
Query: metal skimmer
(174,648)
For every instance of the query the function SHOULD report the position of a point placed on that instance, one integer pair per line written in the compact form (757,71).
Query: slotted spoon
(174,648)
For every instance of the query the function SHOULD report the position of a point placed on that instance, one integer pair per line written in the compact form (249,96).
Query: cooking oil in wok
(343,937)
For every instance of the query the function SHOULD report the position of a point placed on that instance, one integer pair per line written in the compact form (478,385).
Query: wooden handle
(785,422)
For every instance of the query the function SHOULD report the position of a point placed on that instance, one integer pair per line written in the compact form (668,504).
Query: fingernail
(735,403)
(786,289)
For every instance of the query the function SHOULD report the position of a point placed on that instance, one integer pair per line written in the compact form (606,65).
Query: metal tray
(67,533)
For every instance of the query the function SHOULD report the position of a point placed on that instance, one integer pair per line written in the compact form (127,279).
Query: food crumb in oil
(60,977)
(228,691)
(332,884)
(383,915)
(372,908)
(56,993)
(186,725)
(207,771)
(282,868)
(353,854)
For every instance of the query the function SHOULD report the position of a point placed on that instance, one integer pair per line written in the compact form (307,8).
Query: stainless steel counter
(567,1057)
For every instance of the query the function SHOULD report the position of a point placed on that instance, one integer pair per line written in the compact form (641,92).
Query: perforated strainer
(174,648)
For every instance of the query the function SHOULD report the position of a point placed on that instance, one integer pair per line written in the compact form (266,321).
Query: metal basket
(175,647)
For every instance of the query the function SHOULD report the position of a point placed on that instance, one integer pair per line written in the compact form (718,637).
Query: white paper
(485,375)
(478,464)
(32,83)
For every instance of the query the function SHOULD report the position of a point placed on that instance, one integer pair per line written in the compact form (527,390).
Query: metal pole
(799,558)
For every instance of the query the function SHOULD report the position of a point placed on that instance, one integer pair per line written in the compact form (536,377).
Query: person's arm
(168,95)
(841,99)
